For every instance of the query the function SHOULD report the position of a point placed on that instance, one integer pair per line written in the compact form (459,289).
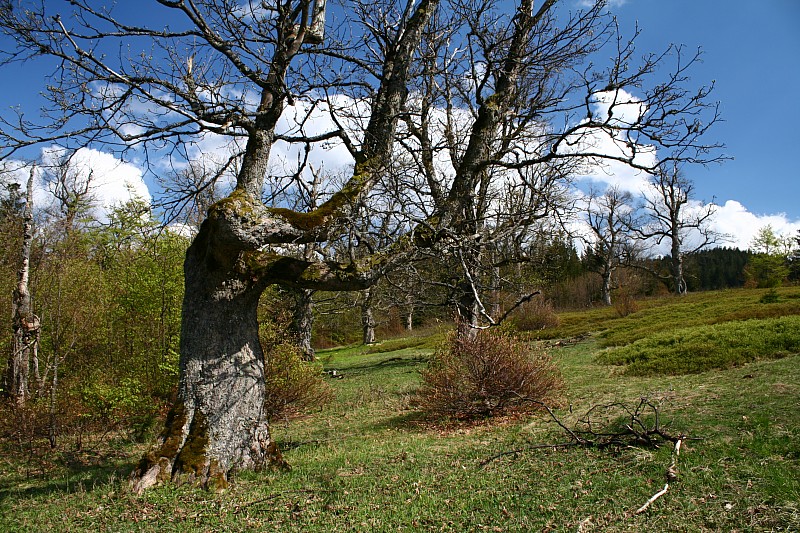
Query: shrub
(106,407)
(293,385)
(536,315)
(624,304)
(486,375)
(770,297)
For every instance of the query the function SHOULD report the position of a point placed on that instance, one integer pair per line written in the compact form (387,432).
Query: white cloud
(112,182)
(623,109)
(731,219)
(734,219)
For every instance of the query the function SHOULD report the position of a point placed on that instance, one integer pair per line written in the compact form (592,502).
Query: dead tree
(670,217)
(25,324)
(610,243)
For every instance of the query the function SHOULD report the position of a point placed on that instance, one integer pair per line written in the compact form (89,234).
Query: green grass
(369,462)
(700,348)
(671,312)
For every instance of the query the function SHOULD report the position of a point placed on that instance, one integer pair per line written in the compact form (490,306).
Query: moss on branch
(324,214)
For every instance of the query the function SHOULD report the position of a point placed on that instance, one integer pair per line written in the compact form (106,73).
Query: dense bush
(293,385)
(486,375)
(536,315)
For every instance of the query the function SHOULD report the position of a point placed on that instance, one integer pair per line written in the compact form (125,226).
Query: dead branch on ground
(613,424)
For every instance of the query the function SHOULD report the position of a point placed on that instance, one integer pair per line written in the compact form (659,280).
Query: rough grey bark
(303,321)
(367,317)
(25,324)
(676,263)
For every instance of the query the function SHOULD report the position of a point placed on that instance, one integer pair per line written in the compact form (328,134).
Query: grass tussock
(701,348)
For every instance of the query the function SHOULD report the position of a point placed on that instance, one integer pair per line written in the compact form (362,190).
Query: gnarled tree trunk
(217,424)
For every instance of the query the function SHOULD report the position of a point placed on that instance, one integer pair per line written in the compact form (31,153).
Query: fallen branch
(672,474)
(634,431)
(653,498)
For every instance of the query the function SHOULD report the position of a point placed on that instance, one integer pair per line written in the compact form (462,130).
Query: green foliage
(144,268)
(702,348)
(768,242)
(768,266)
(109,299)
(666,313)
(293,385)
(695,309)
(486,375)
(124,404)
(770,297)
(766,270)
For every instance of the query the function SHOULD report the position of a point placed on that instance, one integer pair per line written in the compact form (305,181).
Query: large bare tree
(509,106)
(611,243)
(508,97)
(669,217)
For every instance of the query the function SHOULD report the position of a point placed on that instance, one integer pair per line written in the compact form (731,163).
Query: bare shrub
(624,304)
(293,385)
(536,315)
(486,375)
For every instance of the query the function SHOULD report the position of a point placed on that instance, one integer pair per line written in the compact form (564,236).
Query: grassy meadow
(722,367)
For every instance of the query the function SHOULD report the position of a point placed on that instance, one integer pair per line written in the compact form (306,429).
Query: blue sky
(751,50)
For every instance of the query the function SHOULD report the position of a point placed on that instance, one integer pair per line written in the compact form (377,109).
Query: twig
(634,432)
(672,471)
(653,498)
(586,522)
(672,474)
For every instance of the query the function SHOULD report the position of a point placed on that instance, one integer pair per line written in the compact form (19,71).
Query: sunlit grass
(369,462)
(700,348)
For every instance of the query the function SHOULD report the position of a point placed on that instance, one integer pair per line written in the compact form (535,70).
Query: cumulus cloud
(731,219)
(734,219)
(109,180)
(622,109)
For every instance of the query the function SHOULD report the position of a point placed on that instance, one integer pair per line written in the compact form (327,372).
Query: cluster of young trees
(465,122)
(96,307)
(773,258)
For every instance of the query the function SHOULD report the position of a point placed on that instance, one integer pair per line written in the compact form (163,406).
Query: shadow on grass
(379,365)
(408,420)
(70,472)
